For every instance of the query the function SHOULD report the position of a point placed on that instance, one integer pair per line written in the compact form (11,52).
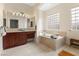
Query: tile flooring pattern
(29,49)
(32,49)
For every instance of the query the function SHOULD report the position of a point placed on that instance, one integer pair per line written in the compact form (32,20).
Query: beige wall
(9,8)
(65,19)
(38,21)
(18,7)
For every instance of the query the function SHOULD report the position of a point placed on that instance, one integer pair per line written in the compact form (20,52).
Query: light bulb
(13,13)
(23,15)
(17,14)
(20,14)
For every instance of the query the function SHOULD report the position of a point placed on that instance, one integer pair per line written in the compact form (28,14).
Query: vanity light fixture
(19,14)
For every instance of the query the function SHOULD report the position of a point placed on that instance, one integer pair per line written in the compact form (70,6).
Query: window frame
(74,18)
(54,19)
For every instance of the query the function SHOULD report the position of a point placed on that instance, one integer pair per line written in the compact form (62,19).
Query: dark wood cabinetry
(17,38)
(74,42)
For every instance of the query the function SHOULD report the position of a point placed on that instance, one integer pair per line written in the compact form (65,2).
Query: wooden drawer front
(74,42)
(30,35)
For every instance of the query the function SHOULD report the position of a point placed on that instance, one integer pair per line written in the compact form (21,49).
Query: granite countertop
(19,30)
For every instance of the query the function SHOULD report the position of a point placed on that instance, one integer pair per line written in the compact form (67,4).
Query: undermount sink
(26,29)
(21,29)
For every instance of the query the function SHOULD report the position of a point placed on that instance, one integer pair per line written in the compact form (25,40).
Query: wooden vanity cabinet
(30,35)
(16,38)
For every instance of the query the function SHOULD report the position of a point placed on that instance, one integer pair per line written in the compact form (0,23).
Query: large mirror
(14,21)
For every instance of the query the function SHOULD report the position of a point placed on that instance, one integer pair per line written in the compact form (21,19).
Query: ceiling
(42,6)
(31,4)
(28,6)
(47,6)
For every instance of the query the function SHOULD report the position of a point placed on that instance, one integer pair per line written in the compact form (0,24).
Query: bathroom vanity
(19,29)
(16,38)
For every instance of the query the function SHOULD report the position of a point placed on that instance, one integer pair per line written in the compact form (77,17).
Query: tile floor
(32,49)
(29,49)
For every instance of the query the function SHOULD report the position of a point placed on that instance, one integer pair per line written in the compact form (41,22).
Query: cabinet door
(12,37)
(6,42)
(9,40)
(22,38)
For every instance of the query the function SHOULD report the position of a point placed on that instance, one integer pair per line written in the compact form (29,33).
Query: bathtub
(55,44)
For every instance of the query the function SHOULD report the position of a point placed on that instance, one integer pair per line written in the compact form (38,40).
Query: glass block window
(75,18)
(53,21)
